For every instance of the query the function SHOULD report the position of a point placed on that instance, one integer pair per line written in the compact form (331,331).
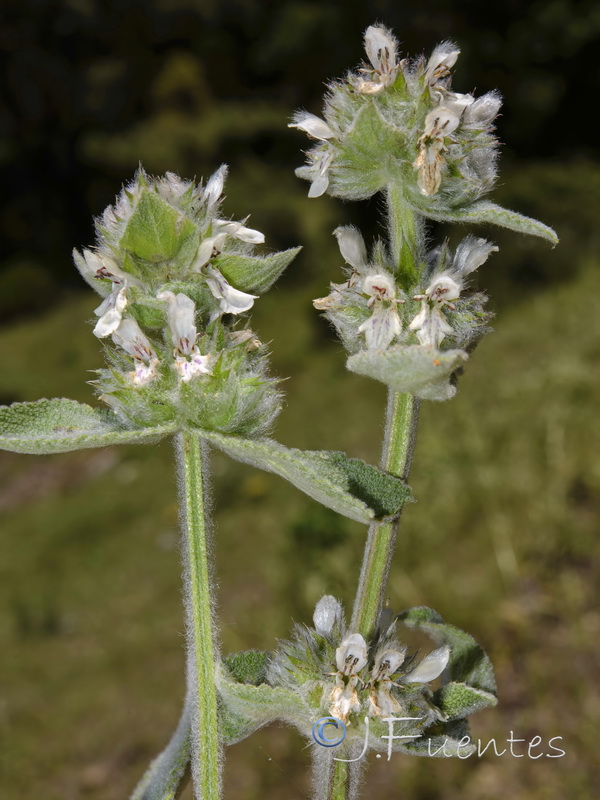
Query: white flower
(350,658)
(482,111)
(181,317)
(352,246)
(382,327)
(214,186)
(442,60)
(351,655)
(381,48)
(387,663)
(232,301)
(102,266)
(208,248)
(110,312)
(133,340)
(314,126)
(470,254)
(328,613)
(439,124)
(319,174)
(240,231)
(431,325)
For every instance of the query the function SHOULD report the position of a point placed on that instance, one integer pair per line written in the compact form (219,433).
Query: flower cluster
(411,339)
(399,121)
(338,673)
(175,277)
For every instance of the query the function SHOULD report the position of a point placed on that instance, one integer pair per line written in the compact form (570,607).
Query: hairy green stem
(201,648)
(398,446)
(406,233)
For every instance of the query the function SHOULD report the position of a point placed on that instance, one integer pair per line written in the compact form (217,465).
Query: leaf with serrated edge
(254,273)
(410,369)
(61,425)
(164,777)
(346,485)
(486,212)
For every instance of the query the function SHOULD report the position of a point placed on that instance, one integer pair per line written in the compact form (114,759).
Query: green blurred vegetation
(506,475)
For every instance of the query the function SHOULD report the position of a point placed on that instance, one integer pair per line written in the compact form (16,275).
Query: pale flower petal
(471,253)
(110,312)
(443,58)
(387,663)
(430,668)
(352,246)
(351,655)
(381,328)
(214,186)
(443,288)
(181,317)
(133,340)
(240,231)
(380,285)
(232,301)
(431,325)
(328,612)
(196,364)
(381,48)
(314,126)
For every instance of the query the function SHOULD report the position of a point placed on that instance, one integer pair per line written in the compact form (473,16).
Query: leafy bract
(254,273)
(347,485)
(416,369)
(60,425)
(485,212)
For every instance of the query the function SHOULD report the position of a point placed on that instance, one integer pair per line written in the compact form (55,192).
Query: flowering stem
(405,229)
(398,446)
(201,648)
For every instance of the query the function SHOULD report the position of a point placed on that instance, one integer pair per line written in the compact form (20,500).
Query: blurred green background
(506,475)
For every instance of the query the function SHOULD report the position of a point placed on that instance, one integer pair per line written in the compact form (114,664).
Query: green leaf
(254,273)
(468,663)
(249,666)
(458,700)
(347,485)
(156,231)
(367,157)
(60,425)
(486,212)
(415,369)
(245,708)
(166,775)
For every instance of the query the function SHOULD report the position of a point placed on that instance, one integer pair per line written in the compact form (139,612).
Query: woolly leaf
(457,700)
(485,212)
(245,708)
(347,485)
(156,231)
(416,369)
(60,425)
(166,775)
(254,273)
(249,666)
(468,663)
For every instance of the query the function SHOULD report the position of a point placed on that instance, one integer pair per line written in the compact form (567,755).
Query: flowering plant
(176,278)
